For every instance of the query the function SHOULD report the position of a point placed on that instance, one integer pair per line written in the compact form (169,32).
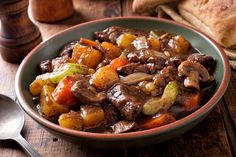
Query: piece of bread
(172,13)
(142,6)
(214,17)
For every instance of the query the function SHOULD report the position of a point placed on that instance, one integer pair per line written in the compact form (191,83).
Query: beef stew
(124,80)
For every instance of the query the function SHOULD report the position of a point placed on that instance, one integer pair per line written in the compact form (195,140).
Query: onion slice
(135,78)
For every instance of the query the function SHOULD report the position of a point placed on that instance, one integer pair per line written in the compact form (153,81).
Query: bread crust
(141,6)
(214,17)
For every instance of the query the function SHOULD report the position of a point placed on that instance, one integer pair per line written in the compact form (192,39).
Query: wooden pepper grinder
(51,10)
(18,35)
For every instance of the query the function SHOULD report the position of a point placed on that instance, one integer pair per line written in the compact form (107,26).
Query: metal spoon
(11,123)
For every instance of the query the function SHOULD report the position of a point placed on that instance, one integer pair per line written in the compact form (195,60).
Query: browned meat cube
(112,33)
(128,100)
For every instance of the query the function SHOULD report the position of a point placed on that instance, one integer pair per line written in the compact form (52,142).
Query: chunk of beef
(174,61)
(45,66)
(164,40)
(112,115)
(174,44)
(68,49)
(128,100)
(112,33)
(59,61)
(130,68)
(152,60)
(166,75)
(86,93)
(153,68)
(178,45)
(146,55)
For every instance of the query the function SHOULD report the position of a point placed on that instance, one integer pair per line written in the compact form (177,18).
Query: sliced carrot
(119,62)
(157,121)
(189,101)
(88,42)
(63,94)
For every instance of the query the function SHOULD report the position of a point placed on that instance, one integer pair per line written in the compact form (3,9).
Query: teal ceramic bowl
(49,49)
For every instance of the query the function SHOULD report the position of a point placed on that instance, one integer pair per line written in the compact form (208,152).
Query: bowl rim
(129,135)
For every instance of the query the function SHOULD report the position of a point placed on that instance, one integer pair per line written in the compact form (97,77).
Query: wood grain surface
(215,136)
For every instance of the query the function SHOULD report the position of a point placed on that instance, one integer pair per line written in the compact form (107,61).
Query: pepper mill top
(18,35)
(51,10)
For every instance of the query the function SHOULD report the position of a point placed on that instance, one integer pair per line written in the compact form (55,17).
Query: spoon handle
(27,147)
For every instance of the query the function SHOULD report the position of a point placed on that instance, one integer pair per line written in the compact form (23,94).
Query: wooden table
(213,137)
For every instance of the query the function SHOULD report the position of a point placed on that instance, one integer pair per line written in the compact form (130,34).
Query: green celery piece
(66,70)
(164,102)
(154,35)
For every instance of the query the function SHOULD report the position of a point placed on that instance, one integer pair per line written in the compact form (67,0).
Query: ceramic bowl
(49,49)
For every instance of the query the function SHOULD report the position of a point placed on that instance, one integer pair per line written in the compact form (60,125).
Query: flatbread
(216,18)
(141,6)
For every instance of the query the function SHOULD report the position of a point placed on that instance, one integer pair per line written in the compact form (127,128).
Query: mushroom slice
(87,93)
(207,61)
(194,73)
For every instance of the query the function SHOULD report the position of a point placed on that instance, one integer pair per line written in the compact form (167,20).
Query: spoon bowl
(11,118)
(11,123)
